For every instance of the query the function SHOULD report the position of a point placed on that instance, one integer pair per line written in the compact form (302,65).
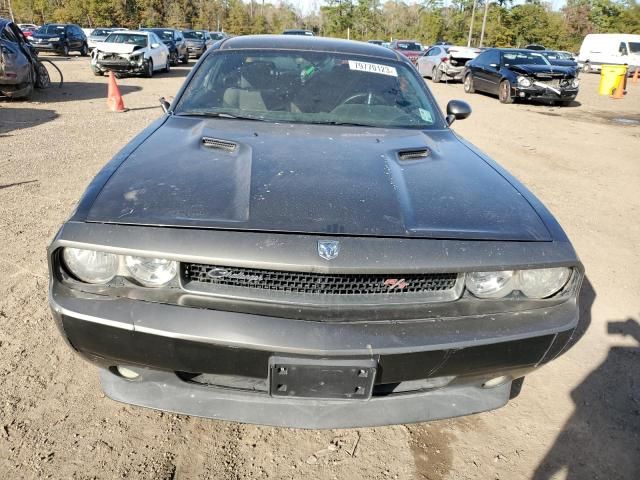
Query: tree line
(427,20)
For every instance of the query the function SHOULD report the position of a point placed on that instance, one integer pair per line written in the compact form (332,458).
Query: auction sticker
(373,68)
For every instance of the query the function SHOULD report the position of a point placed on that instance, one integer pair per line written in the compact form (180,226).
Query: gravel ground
(577,418)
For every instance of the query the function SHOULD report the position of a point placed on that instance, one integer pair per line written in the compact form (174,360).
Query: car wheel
(185,59)
(436,75)
(173,58)
(586,67)
(84,51)
(149,69)
(504,92)
(97,72)
(167,66)
(65,50)
(468,84)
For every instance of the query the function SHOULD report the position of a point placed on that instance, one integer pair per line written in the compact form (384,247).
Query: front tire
(97,72)
(468,84)
(185,59)
(586,67)
(65,50)
(167,67)
(149,69)
(84,51)
(504,92)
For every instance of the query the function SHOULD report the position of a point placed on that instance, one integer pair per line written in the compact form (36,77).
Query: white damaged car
(130,53)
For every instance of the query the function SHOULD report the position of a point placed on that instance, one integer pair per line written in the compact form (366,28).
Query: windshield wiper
(219,115)
(348,124)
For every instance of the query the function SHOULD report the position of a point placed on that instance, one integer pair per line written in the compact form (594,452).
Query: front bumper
(545,93)
(447,361)
(195,50)
(49,46)
(118,66)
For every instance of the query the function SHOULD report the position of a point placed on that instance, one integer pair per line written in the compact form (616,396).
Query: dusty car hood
(117,47)
(314,179)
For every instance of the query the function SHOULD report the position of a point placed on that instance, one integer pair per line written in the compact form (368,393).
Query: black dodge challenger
(301,240)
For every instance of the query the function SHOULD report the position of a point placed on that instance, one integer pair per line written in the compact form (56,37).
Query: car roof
(131,32)
(300,42)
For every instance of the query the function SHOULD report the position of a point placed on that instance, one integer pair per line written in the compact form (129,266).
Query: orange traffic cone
(635,76)
(618,91)
(114,99)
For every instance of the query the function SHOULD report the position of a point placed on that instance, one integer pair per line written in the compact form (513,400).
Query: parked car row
(511,74)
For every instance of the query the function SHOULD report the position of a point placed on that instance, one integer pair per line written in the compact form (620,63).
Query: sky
(307,6)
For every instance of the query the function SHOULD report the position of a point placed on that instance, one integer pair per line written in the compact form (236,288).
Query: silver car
(445,62)
(99,35)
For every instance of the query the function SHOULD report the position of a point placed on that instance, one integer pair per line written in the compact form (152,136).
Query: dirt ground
(576,418)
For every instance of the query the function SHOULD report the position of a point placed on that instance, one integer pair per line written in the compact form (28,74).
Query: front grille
(194,274)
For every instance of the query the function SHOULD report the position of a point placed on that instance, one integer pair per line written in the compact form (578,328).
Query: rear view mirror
(155,45)
(494,65)
(457,110)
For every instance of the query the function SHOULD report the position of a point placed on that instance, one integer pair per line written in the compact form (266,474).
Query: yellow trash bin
(610,77)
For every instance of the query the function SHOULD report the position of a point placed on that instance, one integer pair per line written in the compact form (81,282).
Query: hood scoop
(219,144)
(414,154)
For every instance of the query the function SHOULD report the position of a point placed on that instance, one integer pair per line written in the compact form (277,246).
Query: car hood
(544,71)
(47,36)
(118,47)
(193,41)
(314,179)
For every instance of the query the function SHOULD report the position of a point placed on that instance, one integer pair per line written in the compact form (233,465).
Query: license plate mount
(322,378)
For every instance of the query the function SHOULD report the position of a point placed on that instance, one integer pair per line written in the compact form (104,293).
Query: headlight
(542,282)
(151,272)
(490,284)
(89,265)
(575,83)
(524,81)
(534,283)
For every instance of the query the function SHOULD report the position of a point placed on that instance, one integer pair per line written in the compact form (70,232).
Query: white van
(609,49)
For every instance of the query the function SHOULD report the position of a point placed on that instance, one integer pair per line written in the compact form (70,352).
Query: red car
(409,48)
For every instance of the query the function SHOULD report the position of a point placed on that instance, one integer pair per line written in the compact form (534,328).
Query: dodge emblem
(328,249)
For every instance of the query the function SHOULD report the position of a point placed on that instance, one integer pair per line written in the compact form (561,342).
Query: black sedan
(521,74)
(277,250)
(61,39)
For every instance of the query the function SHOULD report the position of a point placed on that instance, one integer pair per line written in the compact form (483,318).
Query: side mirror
(164,104)
(494,65)
(457,110)
(155,45)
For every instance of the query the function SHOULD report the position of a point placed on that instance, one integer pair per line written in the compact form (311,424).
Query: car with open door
(519,74)
(411,49)
(277,250)
(20,69)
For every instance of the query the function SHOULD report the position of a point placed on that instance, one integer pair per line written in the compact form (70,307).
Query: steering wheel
(368,99)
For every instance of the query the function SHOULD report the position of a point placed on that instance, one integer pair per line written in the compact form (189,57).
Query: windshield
(101,32)
(165,35)
(411,46)
(634,47)
(127,38)
(300,87)
(52,29)
(524,58)
(193,35)
(556,55)
(217,36)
